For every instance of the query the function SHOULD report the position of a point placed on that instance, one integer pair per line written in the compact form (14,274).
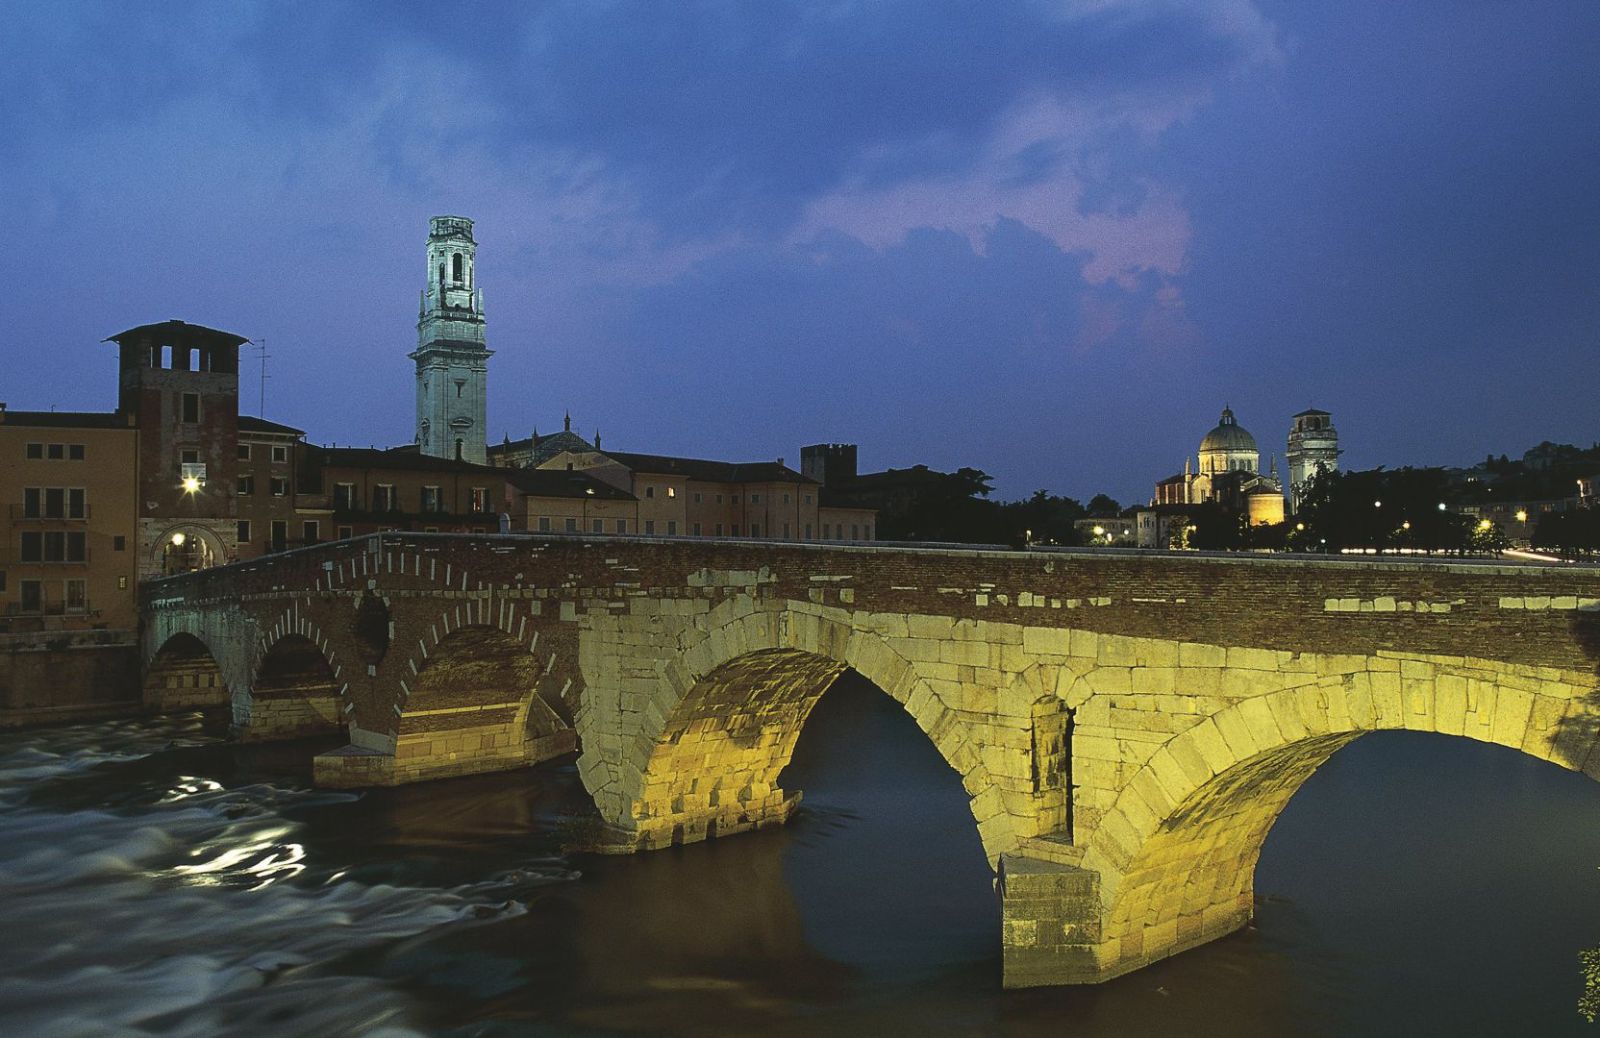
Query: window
(77,505)
(622,526)
(244,452)
(785,498)
(431,499)
(344,496)
(310,531)
(808,531)
(599,526)
(672,491)
(719,529)
(480,499)
(733,529)
(855,532)
(191,408)
(122,583)
(430,529)
(280,486)
(74,452)
(827,532)
(755,499)
(32,595)
(31,508)
(733,498)
(55,502)
(247,486)
(696,529)
(869,531)
(649,526)
(243,533)
(719,499)
(280,454)
(344,532)
(280,534)
(383,497)
(32,546)
(2,580)
(672,527)
(808,499)
(785,531)
(119,543)
(572,526)
(455,267)
(77,547)
(35,451)
(189,456)
(56,451)
(77,595)
(697,497)
(755,529)
(544,524)
(649,491)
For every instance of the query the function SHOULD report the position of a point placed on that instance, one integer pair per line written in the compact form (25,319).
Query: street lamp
(178,538)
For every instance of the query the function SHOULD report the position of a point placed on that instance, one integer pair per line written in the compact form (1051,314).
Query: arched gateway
(1127,725)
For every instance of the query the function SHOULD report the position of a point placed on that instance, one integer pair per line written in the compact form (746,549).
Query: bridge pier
(372,760)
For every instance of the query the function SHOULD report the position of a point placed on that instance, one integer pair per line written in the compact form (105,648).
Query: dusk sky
(1049,240)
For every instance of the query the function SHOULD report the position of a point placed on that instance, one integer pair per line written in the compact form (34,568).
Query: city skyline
(1051,243)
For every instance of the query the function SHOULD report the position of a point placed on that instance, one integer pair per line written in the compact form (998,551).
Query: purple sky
(1046,239)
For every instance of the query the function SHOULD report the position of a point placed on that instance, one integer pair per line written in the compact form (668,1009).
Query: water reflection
(169,884)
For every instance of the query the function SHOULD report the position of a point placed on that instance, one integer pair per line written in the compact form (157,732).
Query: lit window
(672,491)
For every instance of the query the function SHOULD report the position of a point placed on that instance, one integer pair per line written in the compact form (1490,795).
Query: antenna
(261,344)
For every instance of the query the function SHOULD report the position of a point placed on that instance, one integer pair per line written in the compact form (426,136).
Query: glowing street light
(1522,515)
(191,485)
(178,538)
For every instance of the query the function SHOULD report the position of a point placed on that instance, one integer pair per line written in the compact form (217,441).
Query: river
(156,881)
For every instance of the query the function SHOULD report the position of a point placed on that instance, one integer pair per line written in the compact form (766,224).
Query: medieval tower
(1313,447)
(452,361)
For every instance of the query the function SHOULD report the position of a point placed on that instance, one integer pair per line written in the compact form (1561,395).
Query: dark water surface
(154,881)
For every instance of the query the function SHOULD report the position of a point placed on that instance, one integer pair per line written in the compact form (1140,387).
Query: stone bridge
(1127,725)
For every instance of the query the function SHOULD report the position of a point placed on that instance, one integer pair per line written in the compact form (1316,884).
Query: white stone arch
(201,533)
(1176,854)
(619,786)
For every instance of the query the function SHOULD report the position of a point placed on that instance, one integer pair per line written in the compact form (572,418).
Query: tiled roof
(179,333)
(708,471)
(397,458)
(250,423)
(563,483)
(66,419)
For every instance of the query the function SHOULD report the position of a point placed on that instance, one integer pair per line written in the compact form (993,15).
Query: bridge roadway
(1128,725)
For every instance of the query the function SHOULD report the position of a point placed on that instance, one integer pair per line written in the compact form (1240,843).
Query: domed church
(1229,474)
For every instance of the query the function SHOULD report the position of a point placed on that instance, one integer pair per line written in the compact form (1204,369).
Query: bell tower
(452,361)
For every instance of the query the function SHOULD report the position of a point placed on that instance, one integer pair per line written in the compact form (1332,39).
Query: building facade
(452,360)
(1229,474)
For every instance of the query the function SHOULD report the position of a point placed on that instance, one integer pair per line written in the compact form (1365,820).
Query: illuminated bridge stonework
(1128,726)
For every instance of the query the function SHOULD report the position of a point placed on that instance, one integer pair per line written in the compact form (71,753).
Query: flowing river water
(156,881)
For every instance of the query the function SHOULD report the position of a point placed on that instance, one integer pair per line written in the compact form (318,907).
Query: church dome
(1229,448)
(1229,435)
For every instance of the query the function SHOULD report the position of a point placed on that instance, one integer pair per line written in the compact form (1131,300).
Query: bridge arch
(297,690)
(726,717)
(486,675)
(184,674)
(1176,855)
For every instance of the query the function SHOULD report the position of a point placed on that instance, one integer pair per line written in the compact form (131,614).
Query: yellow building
(68,484)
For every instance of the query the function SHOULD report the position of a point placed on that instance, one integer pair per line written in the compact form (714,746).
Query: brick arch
(478,698)
(730,710)
(182,672)
(298,685)
(1176,854)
